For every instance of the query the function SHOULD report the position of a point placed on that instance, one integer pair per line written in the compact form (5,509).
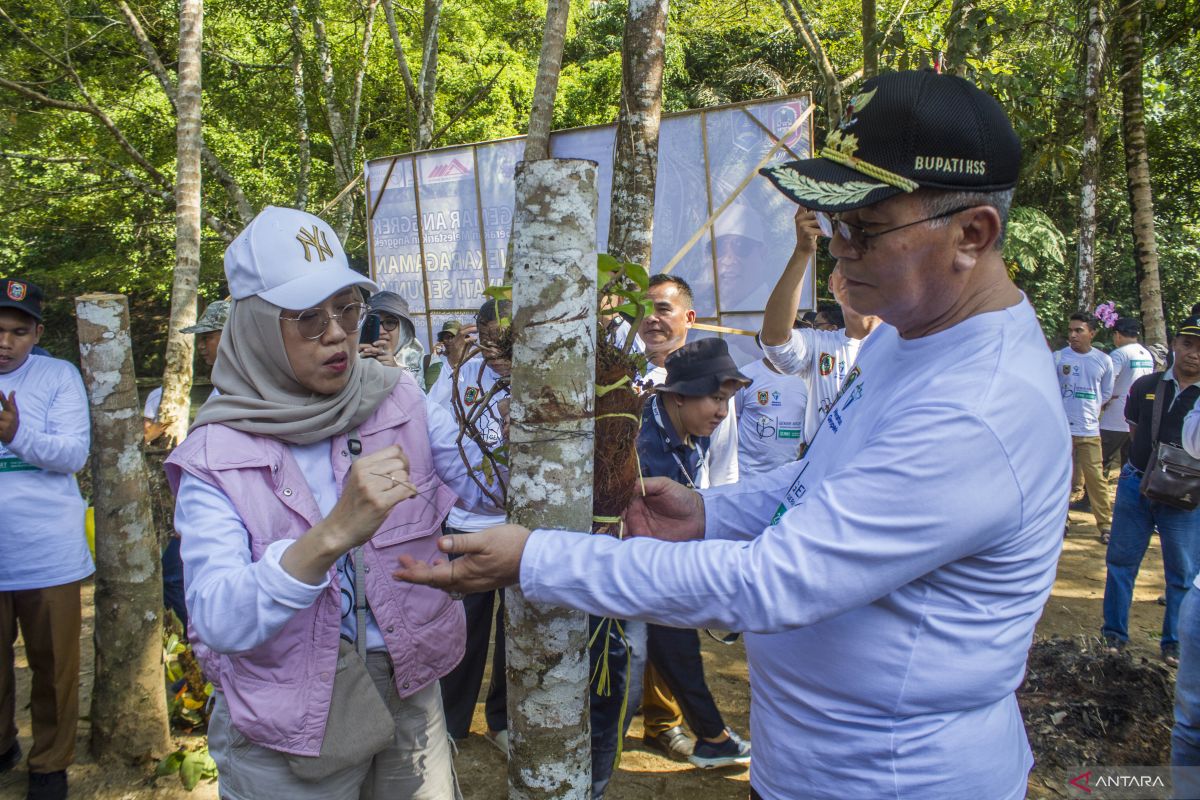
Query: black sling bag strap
(1172,477)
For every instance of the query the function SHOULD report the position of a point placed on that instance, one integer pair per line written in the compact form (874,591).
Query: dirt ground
(1073,613)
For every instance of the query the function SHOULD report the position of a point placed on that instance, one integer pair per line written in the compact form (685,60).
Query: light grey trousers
(418,766)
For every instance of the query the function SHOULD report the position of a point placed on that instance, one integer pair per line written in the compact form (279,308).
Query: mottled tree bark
(1089,166)
(1137,170)
(550,485)
(129,710)
(960,39)
(631,225)
(541,115)
(177,375)
(870,34)
(422,90)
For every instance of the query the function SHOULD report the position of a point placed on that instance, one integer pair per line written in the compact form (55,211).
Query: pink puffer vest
(278,693)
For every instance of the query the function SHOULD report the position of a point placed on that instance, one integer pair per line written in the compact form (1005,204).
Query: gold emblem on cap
(314,239)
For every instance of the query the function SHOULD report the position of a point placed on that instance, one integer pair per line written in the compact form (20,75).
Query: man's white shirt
(823,359)
(1130,362)
(770,414)
(1086,383)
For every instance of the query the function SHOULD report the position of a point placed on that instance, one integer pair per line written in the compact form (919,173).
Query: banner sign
(439,220)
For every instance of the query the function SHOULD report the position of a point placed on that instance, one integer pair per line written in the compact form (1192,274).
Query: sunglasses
(859,238)
(311,323)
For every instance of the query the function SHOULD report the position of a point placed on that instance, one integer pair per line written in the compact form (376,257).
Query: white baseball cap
(289,258)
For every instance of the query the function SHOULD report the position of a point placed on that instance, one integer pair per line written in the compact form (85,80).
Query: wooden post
(129,709)
(550,446)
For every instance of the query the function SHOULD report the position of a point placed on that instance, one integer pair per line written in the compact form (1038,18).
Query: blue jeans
(1185,738)
(1134,519)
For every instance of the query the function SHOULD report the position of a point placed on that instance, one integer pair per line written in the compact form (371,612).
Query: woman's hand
(373,487)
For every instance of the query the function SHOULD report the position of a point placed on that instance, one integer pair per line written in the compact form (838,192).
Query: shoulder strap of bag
(354,446)
(1156,413)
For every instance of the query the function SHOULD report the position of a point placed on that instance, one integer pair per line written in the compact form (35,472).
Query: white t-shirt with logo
(42,541)
(1086,383)
(770,414)
(823,359)
(1130,362)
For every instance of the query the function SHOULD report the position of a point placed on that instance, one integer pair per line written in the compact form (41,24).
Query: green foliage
(192,766)
(80,215)
(1036,253)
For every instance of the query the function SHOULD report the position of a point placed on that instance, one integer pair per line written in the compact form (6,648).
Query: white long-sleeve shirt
(236,604)
(42,541)
(890,609)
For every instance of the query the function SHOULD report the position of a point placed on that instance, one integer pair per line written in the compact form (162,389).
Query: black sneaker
(1082,504)
(47,786)
(673,743)
(11,757)
(1170,654)
(711,755)
(1112,645)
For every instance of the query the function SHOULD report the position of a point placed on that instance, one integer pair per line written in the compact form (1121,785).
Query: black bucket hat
(700,368)
(902,132)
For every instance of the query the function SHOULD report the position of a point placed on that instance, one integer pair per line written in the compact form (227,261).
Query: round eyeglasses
(311,323)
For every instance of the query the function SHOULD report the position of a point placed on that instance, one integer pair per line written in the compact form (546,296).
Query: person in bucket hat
(889,583)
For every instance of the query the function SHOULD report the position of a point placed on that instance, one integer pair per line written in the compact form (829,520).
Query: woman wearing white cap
(297,489)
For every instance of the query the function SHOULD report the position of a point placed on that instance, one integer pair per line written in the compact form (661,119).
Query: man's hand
(668,511)
(379,352)
(807,231)
(10,417)
(491,559)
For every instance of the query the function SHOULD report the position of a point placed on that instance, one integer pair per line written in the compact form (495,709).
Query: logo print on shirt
(16,291)
(826,364)
(776,398)
(473,395)
(1066,369)
(763,398)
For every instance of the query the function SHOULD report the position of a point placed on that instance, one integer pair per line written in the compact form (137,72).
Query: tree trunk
(870,35)
(1137,170)
(541,115)
(177,377)
(631,226)
(303,144)
(1089,167)
(550,485)
(421,91)
(960,38)
(129,710)
(798,19)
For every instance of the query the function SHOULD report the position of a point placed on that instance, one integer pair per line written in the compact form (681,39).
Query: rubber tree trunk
(545,89)
(1089,167)
(129,709)
(177,376)
(1137,171)
(870,36)
(631,226)
(550,445)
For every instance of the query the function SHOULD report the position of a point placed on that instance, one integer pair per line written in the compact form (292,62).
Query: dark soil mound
(1083,707)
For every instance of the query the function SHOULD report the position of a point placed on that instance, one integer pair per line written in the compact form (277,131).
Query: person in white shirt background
(930,501)
(45,435)
(208,343)
(822,358)
(770,416)
(1085,376)
(1130,361)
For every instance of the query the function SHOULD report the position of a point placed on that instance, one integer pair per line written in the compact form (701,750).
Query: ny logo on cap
(16,291)
(315,239)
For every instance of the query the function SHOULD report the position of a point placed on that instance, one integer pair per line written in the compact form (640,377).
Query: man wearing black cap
(44,441)
(889,583)
(1175,393)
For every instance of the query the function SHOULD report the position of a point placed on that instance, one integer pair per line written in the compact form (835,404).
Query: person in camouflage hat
(208,330)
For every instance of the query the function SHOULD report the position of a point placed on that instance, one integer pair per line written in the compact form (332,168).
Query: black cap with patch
(904,131)
(21,295)
(1189,327)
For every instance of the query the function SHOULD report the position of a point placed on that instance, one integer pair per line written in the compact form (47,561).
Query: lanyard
(701,453)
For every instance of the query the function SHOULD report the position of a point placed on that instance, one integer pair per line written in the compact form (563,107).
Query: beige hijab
(260,393)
